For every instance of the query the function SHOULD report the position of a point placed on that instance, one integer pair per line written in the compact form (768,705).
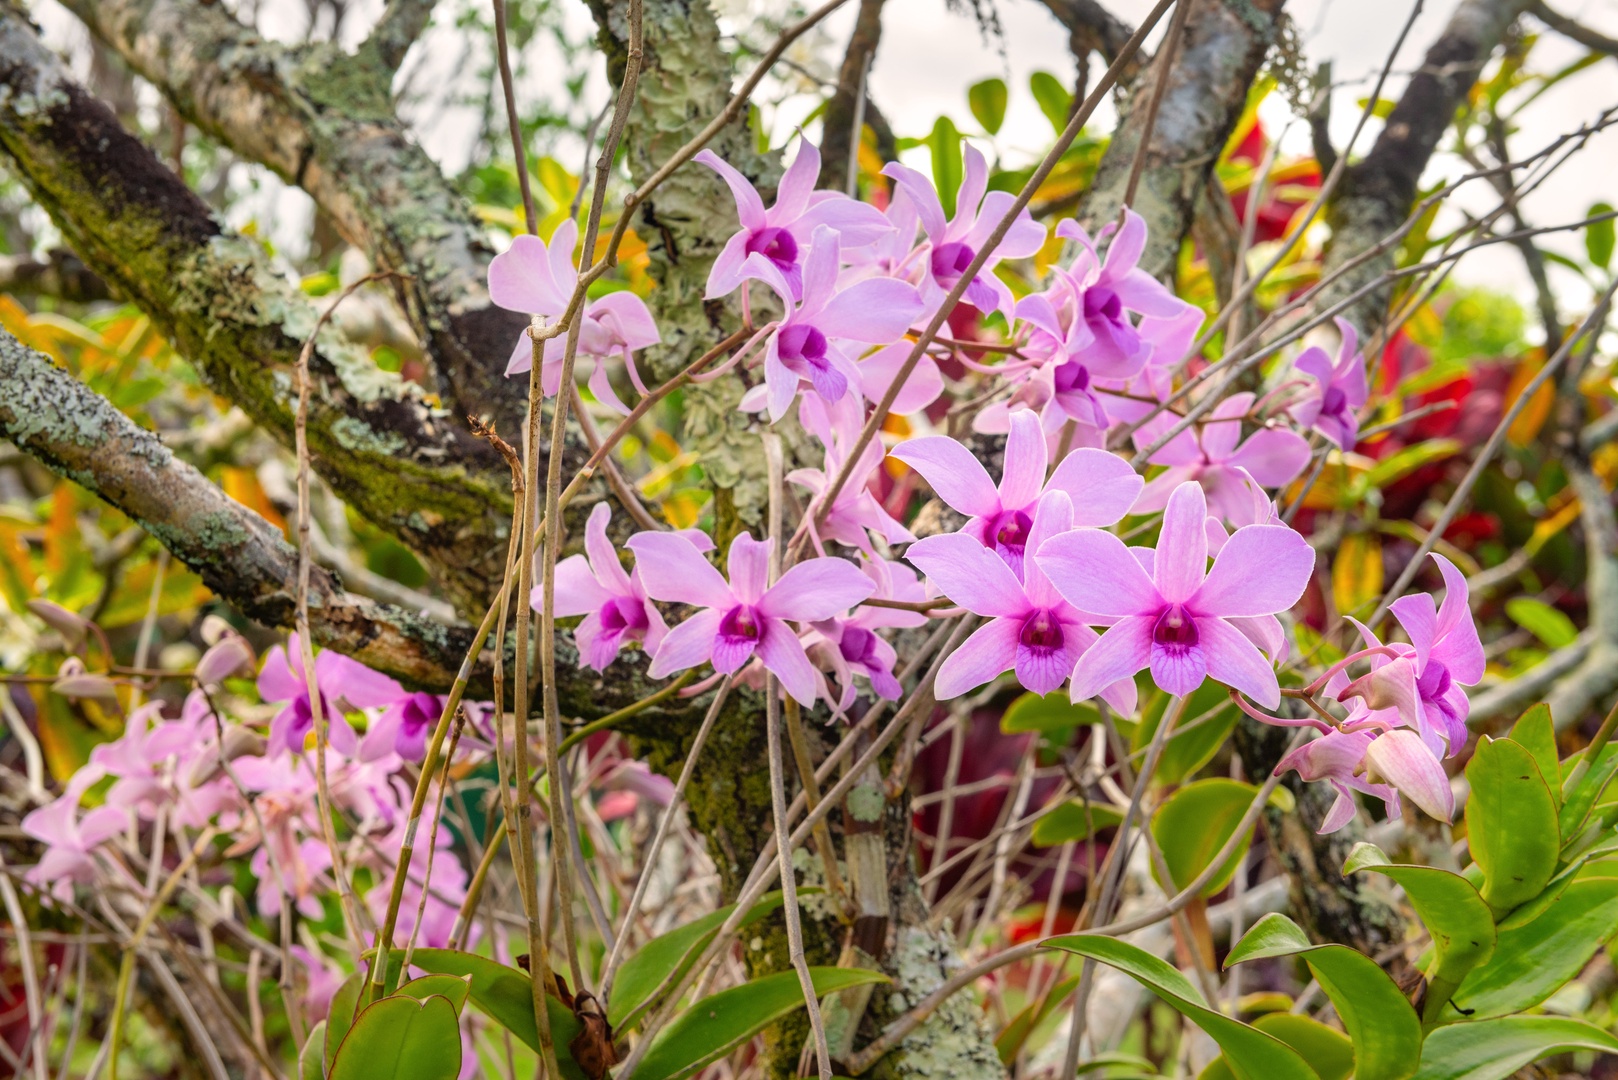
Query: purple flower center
(950,261)
(1335,403)
(1071,377)
(803,350)
(622,614)
(1008,535)
(858,646)
(740,625)
(776,245)
(803,342)
(1042,632)
(1175,630)
(1434,681)
(1103,305)
(420,712)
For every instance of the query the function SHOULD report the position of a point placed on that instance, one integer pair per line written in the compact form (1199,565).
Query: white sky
(929,57)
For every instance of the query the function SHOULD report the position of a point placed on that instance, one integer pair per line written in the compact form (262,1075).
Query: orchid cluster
(1074,567)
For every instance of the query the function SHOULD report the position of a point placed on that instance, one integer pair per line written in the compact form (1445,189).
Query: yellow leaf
(1537,410)
(682,508)
(242,485)
(1356,573)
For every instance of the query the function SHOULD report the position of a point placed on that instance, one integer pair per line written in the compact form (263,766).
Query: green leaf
(1496,1049)
(1550,626)
(1511,824)
(401,1038)
(454,988)
(340,1017)
(1380,1022)
(1455,915)
(1074,820)
(635,988)
(1578,800)
(1328,1051)
(505,995)
(988,102)
(1533,961)
(1048,714)
(944,144)
(1054,99)
(1252,1054)
(1598,235)
(1010,1040)
(716,1025)
(1194,823)
(311,1063)
(1206,724)
(1536,732)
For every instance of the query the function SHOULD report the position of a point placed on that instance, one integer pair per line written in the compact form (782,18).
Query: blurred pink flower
(343,684)
(1214,455)
(1339,389)
(614,603)
(70,839)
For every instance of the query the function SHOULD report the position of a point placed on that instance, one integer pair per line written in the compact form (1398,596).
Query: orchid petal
(673,570)
(1095,572)
(1124,649)
(958,477)
(1182,545)
(1022,473)
(1236,662)
(816,589)
(970,574)
(749,207)
(1400,757)
(687,645)
(1261,570)
(989,652)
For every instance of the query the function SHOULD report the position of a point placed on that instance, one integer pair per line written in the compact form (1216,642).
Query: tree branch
(400,24)
(1092,28)
(60,274)
(214,294)
(244,559)
(838,140)
(1565,26)
(1377,192)
(1208,81)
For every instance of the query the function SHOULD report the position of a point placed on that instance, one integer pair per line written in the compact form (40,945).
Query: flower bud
(230,655)
(72,681)
(70,625)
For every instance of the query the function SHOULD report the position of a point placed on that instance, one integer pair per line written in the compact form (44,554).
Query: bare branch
(400,24)
(1568,28)
(60,274)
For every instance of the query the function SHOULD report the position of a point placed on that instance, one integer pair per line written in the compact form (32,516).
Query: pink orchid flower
(1101,486)
(537,279)
(1339,389)
(856,512)
(1176,619)
(138,758)
(69,839)
(406,724)
(1378,765)
(614,603)
(806,344)
(743,617)
(1109,291)
(1420,688)
(343,684)
(1214,455)
(850,646)
(779,234)
(1032,630)
(956,242)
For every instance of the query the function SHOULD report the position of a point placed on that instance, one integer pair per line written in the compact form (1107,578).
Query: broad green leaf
(1252,1054)
(1578,799)
(505,995)
(1203,728)
(1193,825)
(1533,961)
(1549,625)
(1511,824)
(1019,1027)
(988,102)
(1074,820)
(635,988)
(340,1017)
(716,1025)
(1383,1027)
(311,1063)
(944,144)
(1048,714)
(1598,235)
(403,1039)
(454,988)
(1496,1049)
(1450,908)
(1327,1050)
(1536,732)
(1054,99)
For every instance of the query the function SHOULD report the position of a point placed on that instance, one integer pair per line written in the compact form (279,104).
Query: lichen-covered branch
(324,119)
(244,559)
(400,24)
(401,463)
(1378,191)
(1224,44)
(1092,28)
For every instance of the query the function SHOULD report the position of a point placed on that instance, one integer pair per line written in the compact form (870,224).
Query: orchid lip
(949,261)
(776,245)
(741,624)
(1042,631)
(802,342)
(1175,629)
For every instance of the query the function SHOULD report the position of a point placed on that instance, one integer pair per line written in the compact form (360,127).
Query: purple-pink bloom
(1420,688)
(404,727)
(343,684)
(746,616)
(1339,389)
(1338,758)
(537,279)
(850,646)
(1031,630)
(1177,619)
(956,242)
(1107,292)
(804,345)
(70,839)
(779,234)
(614,603)
(1214,455)
(1101,486)
(856,511)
